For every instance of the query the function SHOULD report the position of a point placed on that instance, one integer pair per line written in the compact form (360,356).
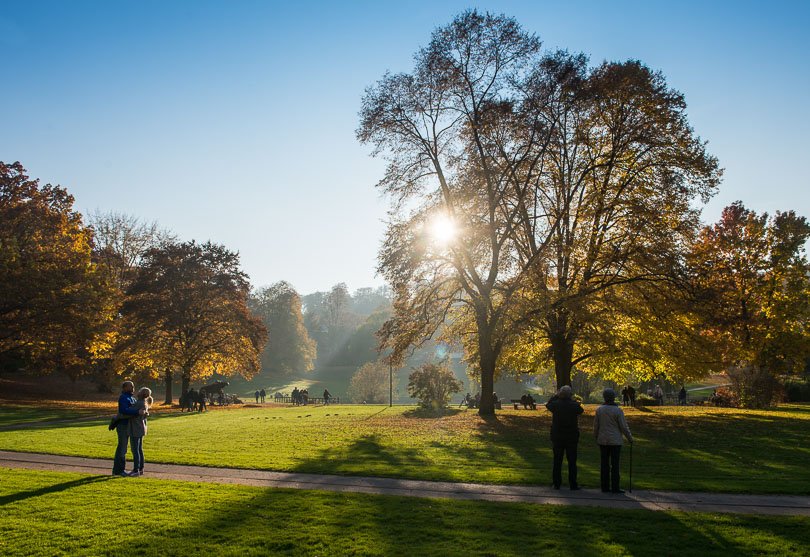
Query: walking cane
(630,487)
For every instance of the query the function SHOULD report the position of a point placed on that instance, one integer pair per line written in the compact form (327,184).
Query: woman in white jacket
(608,426)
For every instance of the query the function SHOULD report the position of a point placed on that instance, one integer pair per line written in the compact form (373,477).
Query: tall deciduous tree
(187,311)
(53,300)
(524,186)
(289,349)
(754,292)
(121,240)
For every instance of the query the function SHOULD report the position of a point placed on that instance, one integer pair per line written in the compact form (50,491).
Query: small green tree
(371,383)
(432,385)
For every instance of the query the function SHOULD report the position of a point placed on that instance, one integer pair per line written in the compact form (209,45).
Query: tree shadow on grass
(375,414)
(365,455)
(729,451)
(429,413)
(276,521)
(254,521)
(51,489)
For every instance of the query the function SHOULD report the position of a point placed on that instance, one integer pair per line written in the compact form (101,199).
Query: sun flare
(443,229)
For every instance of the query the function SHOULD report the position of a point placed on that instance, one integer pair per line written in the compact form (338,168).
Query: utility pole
(390,384)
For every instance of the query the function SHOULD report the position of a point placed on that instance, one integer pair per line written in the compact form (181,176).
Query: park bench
(471,404)
(517,404)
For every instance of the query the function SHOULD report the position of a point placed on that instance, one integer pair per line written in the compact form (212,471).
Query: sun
(442,229)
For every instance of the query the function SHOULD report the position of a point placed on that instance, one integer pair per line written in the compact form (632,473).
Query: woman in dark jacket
(565,412)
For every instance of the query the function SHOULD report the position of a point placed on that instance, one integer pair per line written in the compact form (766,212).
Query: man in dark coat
(565,412)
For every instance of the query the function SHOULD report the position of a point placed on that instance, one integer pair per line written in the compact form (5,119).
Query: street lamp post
(390,384)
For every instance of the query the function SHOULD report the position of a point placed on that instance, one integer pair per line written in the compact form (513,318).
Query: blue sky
(234,121)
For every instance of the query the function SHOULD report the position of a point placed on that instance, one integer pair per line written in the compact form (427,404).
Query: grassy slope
(44,513)
(702,449)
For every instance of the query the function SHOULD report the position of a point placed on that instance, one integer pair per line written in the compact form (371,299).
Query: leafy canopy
(187,310)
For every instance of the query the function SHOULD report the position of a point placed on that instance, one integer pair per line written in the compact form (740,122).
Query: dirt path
(649,500)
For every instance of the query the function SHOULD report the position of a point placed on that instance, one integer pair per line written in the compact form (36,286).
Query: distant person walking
(631,392)
(608,427)
(565,413)
(137,430)
(263,395)
(126,410)
(682,396)
(326,396)
(626,395)
(659,395)
(256,394)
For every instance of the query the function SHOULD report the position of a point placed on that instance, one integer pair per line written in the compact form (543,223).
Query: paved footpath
(649,500)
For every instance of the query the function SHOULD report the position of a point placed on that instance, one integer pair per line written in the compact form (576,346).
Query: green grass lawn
(677,448)
(49,513)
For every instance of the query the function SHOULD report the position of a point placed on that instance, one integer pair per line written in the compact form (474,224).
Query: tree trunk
(184,383)
(562,348)
(487,405)
(563,351)
(168,382)
(487,359)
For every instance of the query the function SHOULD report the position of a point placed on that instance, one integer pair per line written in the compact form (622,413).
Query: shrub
(432,385)
(643,399)
(727,397)
(370,383)
(754,386)
(797,390)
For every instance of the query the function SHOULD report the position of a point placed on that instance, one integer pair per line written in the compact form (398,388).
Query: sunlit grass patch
(698,449)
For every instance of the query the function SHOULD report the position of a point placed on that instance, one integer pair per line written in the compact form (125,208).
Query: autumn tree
(371,383)
(525,185)
(289,348)
(119,243)
(186,311)
(53,299)
(753,290)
